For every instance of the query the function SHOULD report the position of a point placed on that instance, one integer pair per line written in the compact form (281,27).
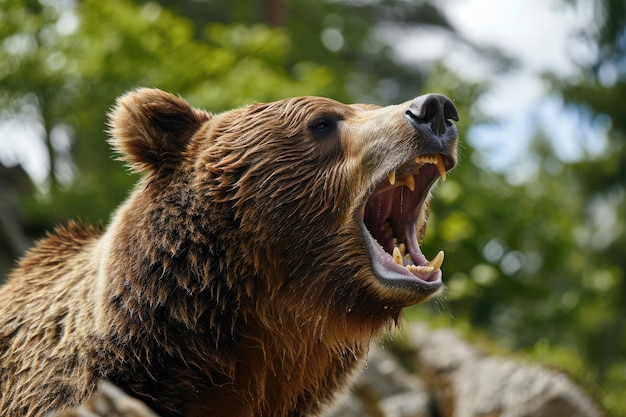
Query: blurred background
(532,221)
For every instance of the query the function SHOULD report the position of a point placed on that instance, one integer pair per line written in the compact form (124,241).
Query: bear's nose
(434,109)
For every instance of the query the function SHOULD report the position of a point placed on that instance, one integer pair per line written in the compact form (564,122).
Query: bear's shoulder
(63,242)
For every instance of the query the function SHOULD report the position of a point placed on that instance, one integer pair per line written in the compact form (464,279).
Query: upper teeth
(409,181)
(409,178)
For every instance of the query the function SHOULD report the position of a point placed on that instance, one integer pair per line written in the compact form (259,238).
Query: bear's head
(307,200)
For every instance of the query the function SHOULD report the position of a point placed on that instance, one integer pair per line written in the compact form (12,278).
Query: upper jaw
(388,220)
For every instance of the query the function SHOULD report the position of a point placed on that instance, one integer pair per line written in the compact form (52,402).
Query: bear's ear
(151,129)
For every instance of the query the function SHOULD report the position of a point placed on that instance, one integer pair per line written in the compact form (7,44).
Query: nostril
(434,109)
(450,112)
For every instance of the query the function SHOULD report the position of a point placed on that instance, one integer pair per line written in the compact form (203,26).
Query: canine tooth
(409,181)
(437,261)
(402,248)
(392,177)
(397,258)
(441,167)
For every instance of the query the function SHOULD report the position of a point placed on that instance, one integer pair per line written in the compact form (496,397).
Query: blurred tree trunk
(14,183)
(275,12)
(600,93)
(47,122)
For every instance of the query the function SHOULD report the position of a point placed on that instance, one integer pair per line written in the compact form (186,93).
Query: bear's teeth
(397,257)
(420,270)
(437,261)
(441,167)
(426,159)
(409,181)
(435,159)
(399,253)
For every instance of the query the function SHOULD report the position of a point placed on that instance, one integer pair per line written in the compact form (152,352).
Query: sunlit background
(532,222)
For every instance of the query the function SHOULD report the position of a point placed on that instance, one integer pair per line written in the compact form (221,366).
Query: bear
(247,273)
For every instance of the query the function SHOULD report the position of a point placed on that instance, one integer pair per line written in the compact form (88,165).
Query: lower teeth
(419,270)
(397,256)
(399,253)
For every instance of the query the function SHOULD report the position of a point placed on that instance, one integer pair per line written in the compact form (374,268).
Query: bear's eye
(323,125)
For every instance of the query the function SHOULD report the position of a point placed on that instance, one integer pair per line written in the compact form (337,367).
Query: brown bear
(249,270)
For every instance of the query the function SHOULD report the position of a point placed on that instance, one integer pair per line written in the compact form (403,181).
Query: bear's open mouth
(389,218)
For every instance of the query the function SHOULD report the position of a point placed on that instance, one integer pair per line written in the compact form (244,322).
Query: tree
(65,67)
(599,94)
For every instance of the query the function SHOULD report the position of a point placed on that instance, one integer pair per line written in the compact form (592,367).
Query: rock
(466,383)
(109,401)
(458,381)
(385,389)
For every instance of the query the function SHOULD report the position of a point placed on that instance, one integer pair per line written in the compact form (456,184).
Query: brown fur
(233,281)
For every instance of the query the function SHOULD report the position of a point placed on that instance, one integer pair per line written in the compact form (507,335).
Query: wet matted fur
(239,278)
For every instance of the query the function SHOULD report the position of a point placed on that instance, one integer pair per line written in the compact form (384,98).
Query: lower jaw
(403,293)
(398,282)
(402,287)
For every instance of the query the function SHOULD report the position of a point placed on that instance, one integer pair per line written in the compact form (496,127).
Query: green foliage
(76,74)
(599,94)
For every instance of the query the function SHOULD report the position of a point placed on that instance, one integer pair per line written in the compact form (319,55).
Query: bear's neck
(199,346)
(271,377)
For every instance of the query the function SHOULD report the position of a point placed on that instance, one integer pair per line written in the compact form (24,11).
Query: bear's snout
(432,115)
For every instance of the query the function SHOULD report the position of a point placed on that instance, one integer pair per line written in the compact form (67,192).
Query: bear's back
(40,323)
